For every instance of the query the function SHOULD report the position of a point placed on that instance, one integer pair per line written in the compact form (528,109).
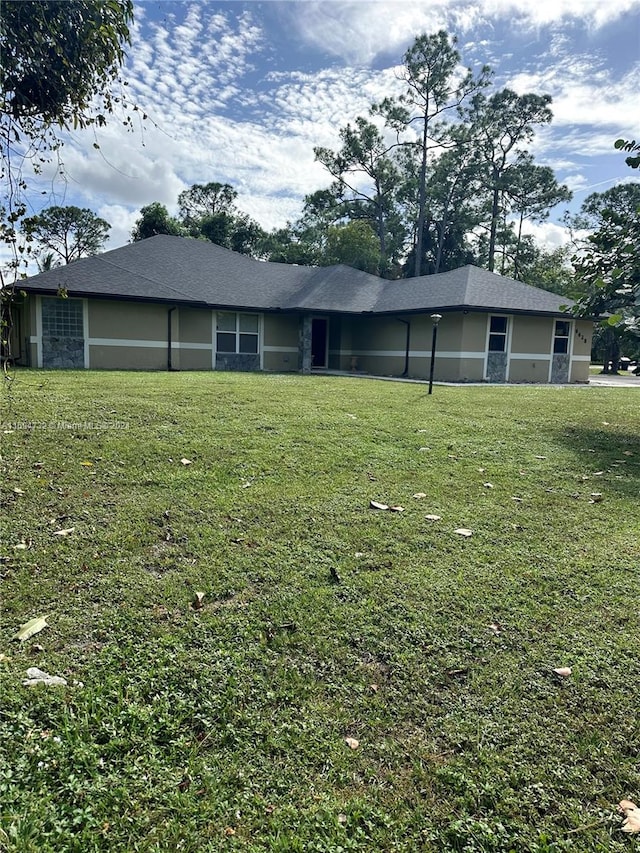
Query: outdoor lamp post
(435,319)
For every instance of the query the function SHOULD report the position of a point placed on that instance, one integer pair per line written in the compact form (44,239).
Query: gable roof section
(186,271)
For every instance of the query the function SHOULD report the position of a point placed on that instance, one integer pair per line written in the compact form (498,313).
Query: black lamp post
(435,319)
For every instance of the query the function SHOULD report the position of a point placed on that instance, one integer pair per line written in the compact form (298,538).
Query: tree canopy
(59,64)
(67,232)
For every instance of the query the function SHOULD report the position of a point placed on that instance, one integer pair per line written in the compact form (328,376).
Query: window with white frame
(236,333)
(498,334)
(62,318)
(561,336)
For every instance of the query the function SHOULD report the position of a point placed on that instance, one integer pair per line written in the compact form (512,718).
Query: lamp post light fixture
(435,318)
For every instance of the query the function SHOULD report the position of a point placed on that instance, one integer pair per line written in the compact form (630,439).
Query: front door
(319,341)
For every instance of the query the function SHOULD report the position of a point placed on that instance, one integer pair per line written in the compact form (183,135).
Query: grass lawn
(225,726)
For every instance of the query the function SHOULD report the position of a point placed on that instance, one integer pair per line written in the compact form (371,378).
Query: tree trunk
(495,210)
(422,199)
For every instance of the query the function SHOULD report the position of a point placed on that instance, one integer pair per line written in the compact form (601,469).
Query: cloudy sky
(240,92)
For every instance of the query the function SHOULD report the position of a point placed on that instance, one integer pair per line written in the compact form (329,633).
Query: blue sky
(240,92)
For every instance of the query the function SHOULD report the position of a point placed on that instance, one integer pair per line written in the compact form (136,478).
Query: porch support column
(304,348)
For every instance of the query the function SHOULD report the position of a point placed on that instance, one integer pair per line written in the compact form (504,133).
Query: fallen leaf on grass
(563,671)
(33,626)
(463,531)
(495,628)
(396,508)
(64,532)
(37,676)
(352,743)
(21,546)
(488,485)
(631,822)
(378,505)
(229,831)
(431,517)
(419,495)
(186,461)
(18,491)
(374,688)
(627,452)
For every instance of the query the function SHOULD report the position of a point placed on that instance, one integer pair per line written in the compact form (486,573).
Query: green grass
(224,728)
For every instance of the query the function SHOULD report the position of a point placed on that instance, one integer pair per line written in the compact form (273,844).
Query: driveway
(610,380)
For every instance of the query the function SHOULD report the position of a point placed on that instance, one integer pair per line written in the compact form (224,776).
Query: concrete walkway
(598,380)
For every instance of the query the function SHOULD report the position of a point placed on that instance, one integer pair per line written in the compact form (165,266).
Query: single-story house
(182,304)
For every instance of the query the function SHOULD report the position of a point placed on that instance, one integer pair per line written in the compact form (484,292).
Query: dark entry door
(319,337)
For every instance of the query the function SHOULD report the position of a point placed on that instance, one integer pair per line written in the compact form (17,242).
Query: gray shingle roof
(184,271)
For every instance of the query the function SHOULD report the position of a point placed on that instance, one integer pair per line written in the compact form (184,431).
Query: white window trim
(569,351)
(214,335)
(507,344)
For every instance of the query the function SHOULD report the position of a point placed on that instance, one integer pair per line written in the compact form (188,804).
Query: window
(62,318)
(498,334)
(561,336)
(237,333)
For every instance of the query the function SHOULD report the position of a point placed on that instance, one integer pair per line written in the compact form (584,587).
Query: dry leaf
(229,830)
(18,491)
(431,517)
(64,532)
(627,452)
(378,505)
(342,818)
(396,508)
(4,658)
(631,823)
(352,743)
(21,546)
(488,485)
(33,626)
(495,628)
(563,671)
(463,531)
(198,599)
(419,495)
(186,461)
(374,688)
(37,676)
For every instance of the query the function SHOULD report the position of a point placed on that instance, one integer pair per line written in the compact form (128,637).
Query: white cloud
(361,31)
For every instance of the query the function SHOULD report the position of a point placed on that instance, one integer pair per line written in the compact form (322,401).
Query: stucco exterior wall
(280,342)
(194,325)
(127,320)
(127,358)
(474,333)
